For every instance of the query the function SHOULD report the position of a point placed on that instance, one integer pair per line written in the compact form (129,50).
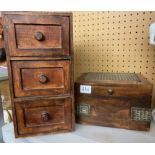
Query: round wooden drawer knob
(39,36)
(110,91)
(43,79)
(45,116)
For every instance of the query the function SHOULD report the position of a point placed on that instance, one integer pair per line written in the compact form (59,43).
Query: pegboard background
(114,42)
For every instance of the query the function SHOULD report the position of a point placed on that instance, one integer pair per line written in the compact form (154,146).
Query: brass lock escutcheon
(83,109)
(141,114)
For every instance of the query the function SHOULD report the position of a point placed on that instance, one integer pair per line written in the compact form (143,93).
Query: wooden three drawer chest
(120,100)
(40,62)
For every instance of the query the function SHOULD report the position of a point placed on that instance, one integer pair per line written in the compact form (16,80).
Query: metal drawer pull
(43,79)
(110,91)
(45,116)
(39,36)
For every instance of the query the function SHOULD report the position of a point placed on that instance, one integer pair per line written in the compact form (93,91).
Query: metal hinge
(141,114)
(83,109)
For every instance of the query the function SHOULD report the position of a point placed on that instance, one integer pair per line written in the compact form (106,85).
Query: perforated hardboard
(114,42)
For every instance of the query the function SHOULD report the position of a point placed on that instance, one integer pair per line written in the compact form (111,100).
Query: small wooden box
(121,100)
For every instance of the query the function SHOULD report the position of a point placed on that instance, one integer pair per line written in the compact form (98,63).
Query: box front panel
(113,111)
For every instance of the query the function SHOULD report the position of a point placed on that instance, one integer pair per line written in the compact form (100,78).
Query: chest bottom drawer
(38,116)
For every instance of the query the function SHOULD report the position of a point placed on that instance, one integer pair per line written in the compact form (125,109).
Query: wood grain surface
(56,74)
(40,63)
(113,109)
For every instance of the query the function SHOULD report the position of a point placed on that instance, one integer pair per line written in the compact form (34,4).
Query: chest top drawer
(37,35)
(37,78)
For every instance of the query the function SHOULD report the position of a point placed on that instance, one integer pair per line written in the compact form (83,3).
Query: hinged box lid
(113,78)
(113,84)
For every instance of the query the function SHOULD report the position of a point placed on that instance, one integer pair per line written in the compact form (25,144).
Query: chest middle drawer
(37,78)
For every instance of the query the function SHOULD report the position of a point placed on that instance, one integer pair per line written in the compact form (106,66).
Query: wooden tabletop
(85,134)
